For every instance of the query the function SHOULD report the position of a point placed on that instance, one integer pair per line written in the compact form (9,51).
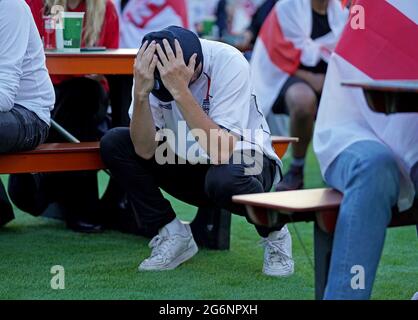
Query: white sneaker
(169,251)
(415,297)
(278,259)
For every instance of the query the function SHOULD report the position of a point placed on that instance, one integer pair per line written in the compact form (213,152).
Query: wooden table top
(119,61)
(385,85)
(293,201)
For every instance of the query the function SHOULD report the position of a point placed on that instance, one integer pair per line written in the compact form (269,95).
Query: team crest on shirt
(206,105)
(166,106)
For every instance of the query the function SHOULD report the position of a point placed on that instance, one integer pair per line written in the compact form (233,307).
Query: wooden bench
(54,157)
(318,205)
(211,227)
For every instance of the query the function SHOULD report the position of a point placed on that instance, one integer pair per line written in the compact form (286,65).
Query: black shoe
(292,180)
(6,209)
(84,226)
(6,213)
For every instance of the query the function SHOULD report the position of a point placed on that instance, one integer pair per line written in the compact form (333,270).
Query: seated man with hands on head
(197,95)
(26,92)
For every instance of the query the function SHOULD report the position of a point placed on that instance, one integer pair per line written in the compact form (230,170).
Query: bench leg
(212,228)
(322,249)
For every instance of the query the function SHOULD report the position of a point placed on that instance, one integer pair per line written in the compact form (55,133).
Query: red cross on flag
(384,48)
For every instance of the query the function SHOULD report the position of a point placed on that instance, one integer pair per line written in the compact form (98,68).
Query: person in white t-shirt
(197,133)
(26,93)
(136,19)
(370,157)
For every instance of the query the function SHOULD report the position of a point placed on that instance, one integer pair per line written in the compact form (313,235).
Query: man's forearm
(220,143)
(142,128)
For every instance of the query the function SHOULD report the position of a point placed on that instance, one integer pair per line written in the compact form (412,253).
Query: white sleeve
(14,35)
(156,111)
(231,93)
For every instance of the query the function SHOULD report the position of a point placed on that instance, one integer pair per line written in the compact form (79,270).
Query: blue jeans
(368,175)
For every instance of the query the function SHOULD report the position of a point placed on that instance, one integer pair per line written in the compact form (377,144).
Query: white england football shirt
(224,92)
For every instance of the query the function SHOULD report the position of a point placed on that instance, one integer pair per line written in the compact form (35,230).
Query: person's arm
(142,128)
(109,35)
(14,35)
(220,144)
(111,27)
(176,76)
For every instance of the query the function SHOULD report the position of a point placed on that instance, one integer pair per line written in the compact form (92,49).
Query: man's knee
(301,100)
(379,171)
(114,145)
(224,181)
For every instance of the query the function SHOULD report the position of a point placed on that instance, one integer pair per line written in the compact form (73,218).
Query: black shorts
(280,106)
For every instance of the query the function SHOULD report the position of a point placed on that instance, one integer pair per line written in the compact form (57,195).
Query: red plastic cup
(50,42)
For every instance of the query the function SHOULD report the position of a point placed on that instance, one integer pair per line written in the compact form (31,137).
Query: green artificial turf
(104,266)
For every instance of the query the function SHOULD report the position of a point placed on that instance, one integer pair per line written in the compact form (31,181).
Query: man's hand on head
(175,74)
(145,64)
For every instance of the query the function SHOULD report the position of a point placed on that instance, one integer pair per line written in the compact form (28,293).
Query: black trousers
(81,105)
(198,185)
(121,97)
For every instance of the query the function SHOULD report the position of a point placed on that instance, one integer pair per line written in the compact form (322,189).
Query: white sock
(274,235)
(176,227)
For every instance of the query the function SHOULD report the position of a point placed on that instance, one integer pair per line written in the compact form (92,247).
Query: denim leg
(367,173)
(414,176)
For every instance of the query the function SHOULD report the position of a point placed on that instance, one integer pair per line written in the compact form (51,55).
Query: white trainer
(415,297)
(169,251)
(278,259)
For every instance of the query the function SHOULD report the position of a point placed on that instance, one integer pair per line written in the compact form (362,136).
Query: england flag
(384,48)
(284,43)
(140,17)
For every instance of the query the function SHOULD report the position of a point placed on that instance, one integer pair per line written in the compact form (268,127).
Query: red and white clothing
(109,36)
(385,49)
(37,8)
(140,17)
(285,43)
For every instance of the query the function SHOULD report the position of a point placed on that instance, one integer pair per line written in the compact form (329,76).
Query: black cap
(189,43)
